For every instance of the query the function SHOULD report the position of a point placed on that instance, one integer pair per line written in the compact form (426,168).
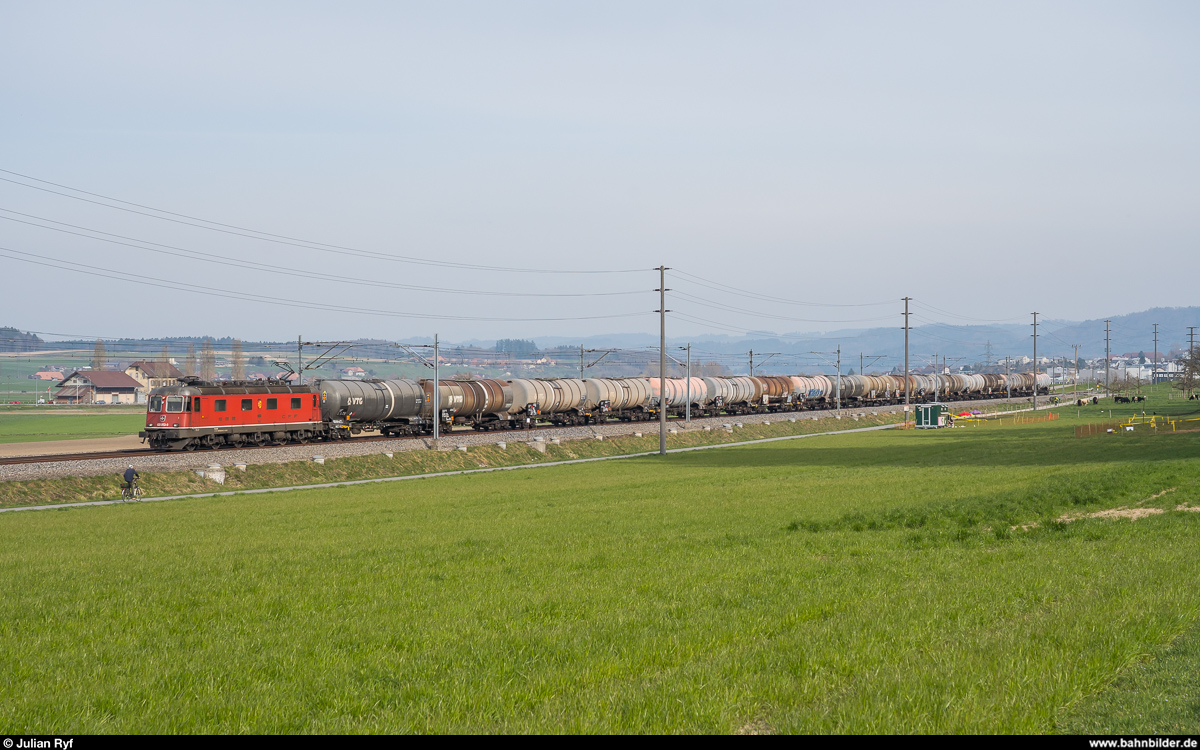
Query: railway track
(147,452)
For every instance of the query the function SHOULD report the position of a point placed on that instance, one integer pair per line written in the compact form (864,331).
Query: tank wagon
(197,414)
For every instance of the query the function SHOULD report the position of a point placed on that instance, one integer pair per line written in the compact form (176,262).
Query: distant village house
(99,387)
(151,375)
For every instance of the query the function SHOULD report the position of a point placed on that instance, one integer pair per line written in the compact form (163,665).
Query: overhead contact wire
(248,296)
(255,234)
(253,265)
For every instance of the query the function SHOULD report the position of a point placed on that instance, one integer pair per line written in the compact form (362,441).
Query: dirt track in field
(57,447)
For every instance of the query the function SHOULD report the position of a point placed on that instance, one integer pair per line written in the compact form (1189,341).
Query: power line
(963,317)
(250,297)
(254,234)
(226,260)
(701,281)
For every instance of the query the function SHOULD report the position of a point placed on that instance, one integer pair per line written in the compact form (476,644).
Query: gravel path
(284,454)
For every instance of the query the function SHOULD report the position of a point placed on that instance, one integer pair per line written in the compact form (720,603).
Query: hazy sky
(987,160)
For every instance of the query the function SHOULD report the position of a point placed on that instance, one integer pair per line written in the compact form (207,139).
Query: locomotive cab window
(272,403)
(187,404)
(295,403)
(196,408)
(155,404)
(247,404)
(174,404)
(219,405)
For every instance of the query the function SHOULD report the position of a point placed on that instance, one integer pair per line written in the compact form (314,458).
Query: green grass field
(54,423)
(885,582)
(1158,692)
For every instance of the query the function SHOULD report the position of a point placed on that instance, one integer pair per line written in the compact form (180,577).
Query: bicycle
(130,491)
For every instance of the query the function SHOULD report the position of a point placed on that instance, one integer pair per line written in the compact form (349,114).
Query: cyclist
(130,488)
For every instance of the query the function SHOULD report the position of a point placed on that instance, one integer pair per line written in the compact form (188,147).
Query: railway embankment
(417,457)
(50,483)
(93,466)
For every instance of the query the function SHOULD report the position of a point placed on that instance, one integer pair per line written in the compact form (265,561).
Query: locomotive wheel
(260,438)
(302,437)
(190,445)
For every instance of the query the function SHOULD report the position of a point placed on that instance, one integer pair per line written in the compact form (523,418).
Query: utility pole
(1076,372)
(1191,353)
(907,389)
(603,353)
(1007,382)
(862,367)
(581,361)
(1154,367)
(936,380)
(838,364)
(662,360)
(300,360)
(946,367)
(437,395)
(1035,361)
(761,362)
(437,392)
(1107,356)
(839,382)
(688,407)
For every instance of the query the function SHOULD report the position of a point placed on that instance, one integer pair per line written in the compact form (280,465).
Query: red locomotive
(197,414)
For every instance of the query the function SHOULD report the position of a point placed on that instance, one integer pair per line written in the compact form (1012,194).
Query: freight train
(198,414)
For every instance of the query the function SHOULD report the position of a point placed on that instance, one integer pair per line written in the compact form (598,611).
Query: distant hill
(1134,332)
(966,343)
(12,340)
(961,344)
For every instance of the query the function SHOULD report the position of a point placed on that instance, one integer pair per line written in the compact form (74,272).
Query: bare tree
(189,363)
(239,361)
(208,361)
(1131,383)
(99,356)
(1189,375)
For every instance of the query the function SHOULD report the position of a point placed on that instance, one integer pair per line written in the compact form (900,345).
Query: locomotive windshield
(155,404)
(174,404)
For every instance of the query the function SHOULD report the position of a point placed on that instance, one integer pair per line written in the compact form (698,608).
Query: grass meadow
(895,581)
(56,423)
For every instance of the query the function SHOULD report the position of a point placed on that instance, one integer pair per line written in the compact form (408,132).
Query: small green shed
(931,416)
